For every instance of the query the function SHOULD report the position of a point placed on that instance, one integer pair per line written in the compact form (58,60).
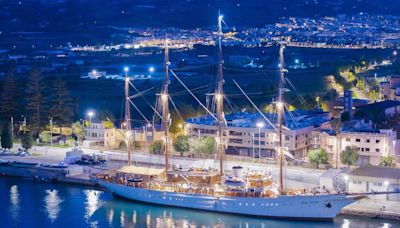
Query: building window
(239,141)
(377,150)
(378,141)
(358,140)
(347,139)
(367,140)
(367,149)
(377,183)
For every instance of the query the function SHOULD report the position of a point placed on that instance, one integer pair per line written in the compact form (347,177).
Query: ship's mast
(165,107)
(281,112)
(128,117)
(219,98)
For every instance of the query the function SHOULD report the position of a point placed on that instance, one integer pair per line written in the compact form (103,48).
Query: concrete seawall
(45,174)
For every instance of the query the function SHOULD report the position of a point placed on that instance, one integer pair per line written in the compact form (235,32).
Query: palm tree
(337,125)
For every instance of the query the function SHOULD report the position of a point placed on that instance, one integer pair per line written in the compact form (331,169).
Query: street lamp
(51,131)
(259,125)
(90,114)
(252,135)
(151,69)
(126,70)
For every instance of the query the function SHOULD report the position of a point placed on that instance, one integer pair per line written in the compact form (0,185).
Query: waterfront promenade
(297,177)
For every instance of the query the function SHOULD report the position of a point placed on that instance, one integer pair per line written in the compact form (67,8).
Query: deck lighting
(164,97)
(218,96)
(279,105)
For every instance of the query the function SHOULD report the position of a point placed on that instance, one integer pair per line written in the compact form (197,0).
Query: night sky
(64,15)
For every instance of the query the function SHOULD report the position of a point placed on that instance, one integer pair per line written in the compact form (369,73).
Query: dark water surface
(30,204)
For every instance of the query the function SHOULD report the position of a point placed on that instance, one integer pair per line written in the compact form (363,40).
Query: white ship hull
(313,207)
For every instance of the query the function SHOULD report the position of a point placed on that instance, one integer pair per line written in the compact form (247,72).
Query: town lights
(94,72)
(151,69)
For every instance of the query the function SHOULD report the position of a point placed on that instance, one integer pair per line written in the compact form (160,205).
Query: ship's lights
(164,96)
(260,124)
(279,105)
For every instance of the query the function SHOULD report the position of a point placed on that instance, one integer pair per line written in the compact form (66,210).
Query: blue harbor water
(26,203)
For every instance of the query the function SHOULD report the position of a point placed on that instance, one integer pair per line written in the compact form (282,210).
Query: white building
(390,89)
(114,138)
(95,132)
(375,179)
(372,144)
(244,136)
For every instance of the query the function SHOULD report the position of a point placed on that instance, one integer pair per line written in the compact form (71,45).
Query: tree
(136,145)
(62,108)
(337,126)
(26,140)
(108,124)
(207,145)
(349,156)
(317,156)
(6,137)
(35,101)
(45,136)
(388,161)
(78,130)
(8,101)
(155,147)
(181,144)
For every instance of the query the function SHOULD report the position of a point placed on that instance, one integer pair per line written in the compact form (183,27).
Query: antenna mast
(128,135)
(281,111)
(219,97)
(165,106)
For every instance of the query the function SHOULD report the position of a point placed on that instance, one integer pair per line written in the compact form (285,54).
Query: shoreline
(364,208)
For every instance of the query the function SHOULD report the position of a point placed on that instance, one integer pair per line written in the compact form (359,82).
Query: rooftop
(376,171)
(379,106)
(294,120)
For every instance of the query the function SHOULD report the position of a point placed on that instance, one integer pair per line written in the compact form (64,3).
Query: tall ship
(235,191)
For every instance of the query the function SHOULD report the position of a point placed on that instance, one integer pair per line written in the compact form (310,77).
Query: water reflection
(52,204)
(132,214)
(14,201)
(92,202)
